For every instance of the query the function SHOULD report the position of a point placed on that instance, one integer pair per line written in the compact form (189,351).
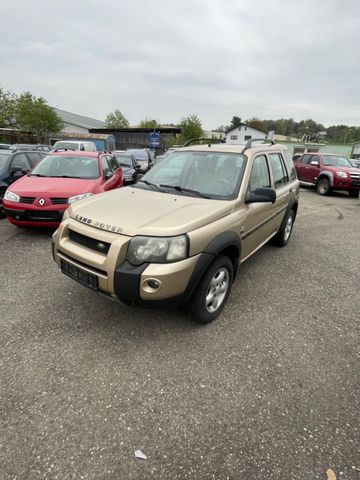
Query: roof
(231,148)
(230,129)
(137,130)
(76,153)
(79,120)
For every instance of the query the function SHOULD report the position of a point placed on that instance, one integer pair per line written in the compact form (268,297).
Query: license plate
(85,278)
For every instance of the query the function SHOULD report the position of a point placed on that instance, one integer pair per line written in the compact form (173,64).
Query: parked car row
(36,188)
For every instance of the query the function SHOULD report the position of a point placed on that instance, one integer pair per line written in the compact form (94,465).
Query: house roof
(79,120)
(230,129)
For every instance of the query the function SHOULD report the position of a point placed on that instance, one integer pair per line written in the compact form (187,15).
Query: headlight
(12,197)
(66,215)
(342,174)
(79,197)
(157,249)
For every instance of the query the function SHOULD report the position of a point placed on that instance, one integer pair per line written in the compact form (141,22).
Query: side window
(233,137)
(260,176)
(34,158)
(20,161)
(247,137)
(315,158)
(290,164)
(279,171)
(306,159)
(113,164)
(105,165)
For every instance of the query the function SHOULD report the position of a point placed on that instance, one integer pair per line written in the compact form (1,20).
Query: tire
(281,239)
(354,193)
(218,277)
(2,212)
(323,186)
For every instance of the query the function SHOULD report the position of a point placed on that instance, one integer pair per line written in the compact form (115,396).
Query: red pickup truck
(328,172)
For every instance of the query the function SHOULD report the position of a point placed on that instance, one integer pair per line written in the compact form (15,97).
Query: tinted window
(279,171)
(260,176)
(20,161)
(3,159)
(139,154)
(124,160)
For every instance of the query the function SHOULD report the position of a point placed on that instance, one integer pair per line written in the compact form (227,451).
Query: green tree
(35,115)
(235,122)
(149,123)
(7,109)
(191,127)
(116,119)
(256,123)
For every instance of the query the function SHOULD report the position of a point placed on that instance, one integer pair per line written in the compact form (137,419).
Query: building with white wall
(243,133)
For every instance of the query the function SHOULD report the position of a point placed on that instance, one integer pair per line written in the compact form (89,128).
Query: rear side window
(20,161)
(260,176)
(279,171)
(290,164)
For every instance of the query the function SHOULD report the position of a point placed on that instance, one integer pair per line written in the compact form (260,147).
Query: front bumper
(25,217)
(116,277)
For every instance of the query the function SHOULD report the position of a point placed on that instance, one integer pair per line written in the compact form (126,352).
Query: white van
(75,145)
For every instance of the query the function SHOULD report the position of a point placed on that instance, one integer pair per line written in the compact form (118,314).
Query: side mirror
(137,167)
(261,195)
(108,174)
(315,163)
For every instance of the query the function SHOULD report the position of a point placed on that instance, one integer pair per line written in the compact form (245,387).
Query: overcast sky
(165,59)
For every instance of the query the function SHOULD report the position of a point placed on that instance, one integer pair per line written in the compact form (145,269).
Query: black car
(13,165)
(144,157)
(129,166)
(355,162)
(39,147)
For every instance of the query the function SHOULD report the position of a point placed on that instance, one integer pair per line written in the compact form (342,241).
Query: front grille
(355,177)
(43,215)
(88,242)
(27,199)
(59,201)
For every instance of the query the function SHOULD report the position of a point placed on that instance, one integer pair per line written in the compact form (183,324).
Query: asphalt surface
(268,391)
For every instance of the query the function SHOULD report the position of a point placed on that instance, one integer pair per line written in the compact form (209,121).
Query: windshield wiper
(187,190)
(37,175)
(64,176)
(150,184)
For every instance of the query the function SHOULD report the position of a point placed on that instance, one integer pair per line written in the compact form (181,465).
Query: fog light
(154,284)
(151,285)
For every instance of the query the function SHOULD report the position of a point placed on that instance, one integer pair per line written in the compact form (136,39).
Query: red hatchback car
(40,198)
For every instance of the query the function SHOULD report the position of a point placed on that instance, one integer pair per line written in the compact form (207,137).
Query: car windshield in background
(213,175)
(68,167)
(124,160)
(3,158)
(139,154)
(334,161)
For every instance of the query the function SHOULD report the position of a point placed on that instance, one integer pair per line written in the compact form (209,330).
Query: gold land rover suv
(179,235)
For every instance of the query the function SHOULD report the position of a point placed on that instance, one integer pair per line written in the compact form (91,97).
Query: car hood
(64,187)
(133,211)
(342,169)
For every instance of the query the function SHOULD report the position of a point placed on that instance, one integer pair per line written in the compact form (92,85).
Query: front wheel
(323,186)
(281,239)
(210,296)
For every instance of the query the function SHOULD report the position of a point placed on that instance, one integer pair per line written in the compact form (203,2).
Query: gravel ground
(268,391)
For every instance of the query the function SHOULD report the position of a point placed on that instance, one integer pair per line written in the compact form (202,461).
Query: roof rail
(262,140)
(202,141)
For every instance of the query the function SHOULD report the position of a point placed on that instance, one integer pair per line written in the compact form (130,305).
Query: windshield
(124,160)
(3,158)
(139,154)
(213,175)
(335,161)
(67,166)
